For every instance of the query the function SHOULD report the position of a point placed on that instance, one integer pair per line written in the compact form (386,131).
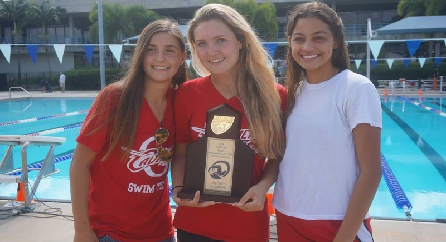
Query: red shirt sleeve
(283,96)
(94,131)
(182,124)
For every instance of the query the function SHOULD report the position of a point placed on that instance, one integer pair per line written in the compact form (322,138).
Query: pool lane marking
(436,159)
(42,118)
(56,130)
(397,192)
(423,106)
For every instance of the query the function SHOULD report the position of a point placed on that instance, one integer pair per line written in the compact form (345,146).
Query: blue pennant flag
(437,60)
(406,63)
(89,52)
(413,46)
(271,48)
(32,50)
(374,63)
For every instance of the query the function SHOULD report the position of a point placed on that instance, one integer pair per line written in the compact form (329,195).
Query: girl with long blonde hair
(227,52)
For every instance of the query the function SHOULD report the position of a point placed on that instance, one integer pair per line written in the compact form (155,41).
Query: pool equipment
(398,195)
(24,141)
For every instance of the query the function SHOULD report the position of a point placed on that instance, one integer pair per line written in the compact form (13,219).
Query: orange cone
(271,211)
(385,92)
(420,92)
(20,193)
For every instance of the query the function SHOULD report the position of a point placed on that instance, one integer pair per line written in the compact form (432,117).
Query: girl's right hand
(85,235)
(191,203)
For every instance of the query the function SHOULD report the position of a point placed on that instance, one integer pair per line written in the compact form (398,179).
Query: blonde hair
(254,80)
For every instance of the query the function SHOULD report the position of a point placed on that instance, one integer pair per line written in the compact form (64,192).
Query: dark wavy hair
(295,73)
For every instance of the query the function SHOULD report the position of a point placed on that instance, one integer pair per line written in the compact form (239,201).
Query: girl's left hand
(253,200)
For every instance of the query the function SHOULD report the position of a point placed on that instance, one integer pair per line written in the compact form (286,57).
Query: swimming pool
(413,144)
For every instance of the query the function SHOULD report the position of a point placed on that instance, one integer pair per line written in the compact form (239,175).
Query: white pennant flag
(116,50)
(6,50)
(422,60)
(358,63)
(375,47)
(389,62)
(60,50)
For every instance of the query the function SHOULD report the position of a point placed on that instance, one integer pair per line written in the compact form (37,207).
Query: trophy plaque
(219,164)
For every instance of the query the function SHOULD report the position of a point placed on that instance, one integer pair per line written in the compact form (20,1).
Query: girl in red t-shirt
(228,53)
(118,175)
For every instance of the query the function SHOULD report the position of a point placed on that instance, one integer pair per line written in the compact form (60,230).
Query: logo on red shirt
(147,159)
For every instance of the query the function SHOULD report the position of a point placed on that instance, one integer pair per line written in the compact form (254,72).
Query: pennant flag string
(32,50)
(358,63)
(375,47)
(89,52)
(406,62)
(413,46)
(389,62)
(6,50)
(60,49)
(116,50)
(422,60)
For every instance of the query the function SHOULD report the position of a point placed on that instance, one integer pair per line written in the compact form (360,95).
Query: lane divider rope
(399,197)
(42,118)
(423,106)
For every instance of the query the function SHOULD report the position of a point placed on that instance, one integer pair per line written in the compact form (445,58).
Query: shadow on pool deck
(38,227)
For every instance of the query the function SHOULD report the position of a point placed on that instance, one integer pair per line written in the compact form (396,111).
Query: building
(72,30)
(73,27)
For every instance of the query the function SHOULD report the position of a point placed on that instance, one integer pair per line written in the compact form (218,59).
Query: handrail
(18,88)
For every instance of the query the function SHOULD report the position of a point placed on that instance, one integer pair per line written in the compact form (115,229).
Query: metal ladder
(23,89)
(7,166)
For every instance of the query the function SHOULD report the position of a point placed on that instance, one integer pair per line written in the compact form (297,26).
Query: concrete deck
(39,227)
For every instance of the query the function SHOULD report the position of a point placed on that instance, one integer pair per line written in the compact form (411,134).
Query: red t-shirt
(129,199)
(221,221)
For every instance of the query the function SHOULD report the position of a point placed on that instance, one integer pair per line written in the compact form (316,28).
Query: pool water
(413,141)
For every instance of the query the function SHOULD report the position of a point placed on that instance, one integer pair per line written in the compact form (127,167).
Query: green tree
(140,17)
(408,8)
(436,7)
(120,22)
(261,16)
(15,11)
(265,21)
(44,14)
(247,8)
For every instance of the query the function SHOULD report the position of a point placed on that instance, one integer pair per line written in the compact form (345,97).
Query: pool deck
(39,227)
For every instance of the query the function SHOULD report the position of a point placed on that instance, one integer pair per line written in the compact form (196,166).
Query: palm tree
(140,16)
(408,8)
(117,25)
(261,16)
(265,21)
(15,11)
(436,7)
(45,14)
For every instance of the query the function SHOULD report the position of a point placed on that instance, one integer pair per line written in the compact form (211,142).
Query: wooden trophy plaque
(219,164)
